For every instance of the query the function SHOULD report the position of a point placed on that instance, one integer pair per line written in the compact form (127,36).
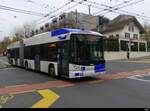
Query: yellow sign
(52,45)
(92,39)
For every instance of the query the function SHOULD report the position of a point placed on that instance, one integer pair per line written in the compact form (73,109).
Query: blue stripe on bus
(59,32)
(62,38)
(65,31)
(99,68)
(78,74)
(83,68)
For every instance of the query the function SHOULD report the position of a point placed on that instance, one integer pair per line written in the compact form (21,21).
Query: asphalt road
(110,91)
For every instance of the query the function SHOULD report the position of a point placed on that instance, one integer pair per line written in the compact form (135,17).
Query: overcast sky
(10,20)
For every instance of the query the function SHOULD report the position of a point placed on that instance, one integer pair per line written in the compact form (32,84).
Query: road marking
(60,83)
(53,81)
(96,81)
(5,98)
(143,75)
(118,77)
(134,78)
(122,72)
(49,97)
(15,85)
(69,85)
(14,93)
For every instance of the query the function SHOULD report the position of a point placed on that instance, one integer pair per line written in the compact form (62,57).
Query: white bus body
(70,53)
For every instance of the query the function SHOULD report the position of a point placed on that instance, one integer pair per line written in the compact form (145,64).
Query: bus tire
(11,62)
(51,70)
(26,65)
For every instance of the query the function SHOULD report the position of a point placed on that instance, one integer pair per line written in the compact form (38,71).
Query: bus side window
(28,53)
(72,48)
(44,52)
(33,52)
(52,53)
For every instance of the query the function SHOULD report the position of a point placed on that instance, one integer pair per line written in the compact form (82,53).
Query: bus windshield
(86,49)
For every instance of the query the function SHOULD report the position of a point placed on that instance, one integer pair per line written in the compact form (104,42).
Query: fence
(111,45)
(115,50)
(114,45)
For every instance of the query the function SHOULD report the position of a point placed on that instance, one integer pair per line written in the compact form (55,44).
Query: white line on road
(143,75)
(134,78)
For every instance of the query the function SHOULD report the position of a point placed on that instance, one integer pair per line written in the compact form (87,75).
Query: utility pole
(89,6)
(24,35)
(81,21)
(76,17)
(99,21)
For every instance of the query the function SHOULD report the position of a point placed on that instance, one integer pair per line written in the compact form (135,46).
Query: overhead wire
(122,3)
(48,15)
(124,6)
(115,11)
(69,8)
(2,7)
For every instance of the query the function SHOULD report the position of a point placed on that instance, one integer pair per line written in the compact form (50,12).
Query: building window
(54,20)
(111,36)
(117,36)
(127,35)
(135,36)
(47,25)
(134,46)
(62,17)
(142,47)
(131,28)
(124,45)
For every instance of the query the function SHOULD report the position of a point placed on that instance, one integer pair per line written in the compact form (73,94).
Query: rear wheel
(51,71)
(26,66)
(11,62)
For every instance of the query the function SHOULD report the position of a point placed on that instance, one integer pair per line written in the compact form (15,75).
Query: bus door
(62,59)
(21,54)
(37,59)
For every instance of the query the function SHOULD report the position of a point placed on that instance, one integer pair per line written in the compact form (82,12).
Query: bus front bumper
(79,74)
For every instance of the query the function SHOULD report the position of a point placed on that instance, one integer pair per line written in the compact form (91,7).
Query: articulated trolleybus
(70,53)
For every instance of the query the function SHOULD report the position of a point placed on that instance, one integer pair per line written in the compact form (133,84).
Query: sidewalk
(4,64)
(139,58)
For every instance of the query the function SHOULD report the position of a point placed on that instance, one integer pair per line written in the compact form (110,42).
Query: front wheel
(51,71)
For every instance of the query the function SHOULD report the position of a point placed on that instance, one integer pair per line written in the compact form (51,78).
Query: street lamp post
(129,48)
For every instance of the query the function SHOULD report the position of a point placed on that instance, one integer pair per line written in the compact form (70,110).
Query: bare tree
(25,31)
(146,36)
(29,29)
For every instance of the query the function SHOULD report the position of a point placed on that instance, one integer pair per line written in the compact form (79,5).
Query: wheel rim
(26,66)
(51,70)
